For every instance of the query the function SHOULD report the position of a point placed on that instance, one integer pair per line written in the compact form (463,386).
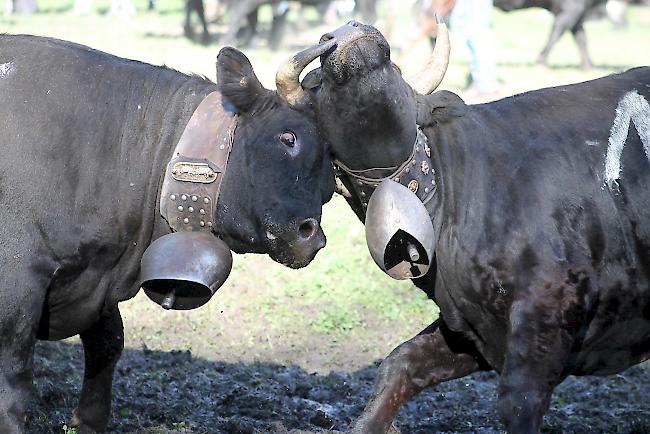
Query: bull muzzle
(424,82)
(182,270)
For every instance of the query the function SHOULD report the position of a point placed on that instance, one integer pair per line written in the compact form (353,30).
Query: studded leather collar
(193,176)
(416,173)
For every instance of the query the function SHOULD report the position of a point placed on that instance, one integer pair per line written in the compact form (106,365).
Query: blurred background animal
(243,17)
(570,15)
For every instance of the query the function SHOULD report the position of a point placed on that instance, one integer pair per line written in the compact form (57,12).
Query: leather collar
(193,176)
(416,173)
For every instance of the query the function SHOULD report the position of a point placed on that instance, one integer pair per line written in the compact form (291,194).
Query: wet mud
(161,392)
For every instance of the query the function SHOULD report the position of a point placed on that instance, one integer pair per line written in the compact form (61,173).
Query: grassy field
(341,312)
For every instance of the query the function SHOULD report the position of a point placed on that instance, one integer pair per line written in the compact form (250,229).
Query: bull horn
(427,80)
(287,79)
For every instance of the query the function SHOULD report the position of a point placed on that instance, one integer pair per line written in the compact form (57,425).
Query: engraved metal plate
(193,172)
(413,186)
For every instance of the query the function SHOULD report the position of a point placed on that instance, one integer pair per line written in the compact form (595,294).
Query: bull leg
(536,353)
(238,12)
(367,10)
(581,40)
(200,11)
(21,305)
(197,6)
(246,33)
(187,26)
(278,27)
(566,20)
(103,344)
(437,354)
(16,360)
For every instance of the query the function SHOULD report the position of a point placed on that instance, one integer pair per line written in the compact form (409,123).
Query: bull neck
(181,103)
(380,170)
(416,173)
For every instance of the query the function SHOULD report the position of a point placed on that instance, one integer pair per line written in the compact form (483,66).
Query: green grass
(341,312)
(345,286)
(68,430)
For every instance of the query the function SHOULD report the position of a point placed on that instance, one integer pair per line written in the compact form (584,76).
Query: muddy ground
(175,392)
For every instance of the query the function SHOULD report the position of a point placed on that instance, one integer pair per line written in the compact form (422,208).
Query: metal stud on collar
(362,186)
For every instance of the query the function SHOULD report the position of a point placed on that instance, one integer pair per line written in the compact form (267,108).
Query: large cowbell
(399,231)
(182,270)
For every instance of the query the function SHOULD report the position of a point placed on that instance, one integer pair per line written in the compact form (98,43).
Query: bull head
(206,205)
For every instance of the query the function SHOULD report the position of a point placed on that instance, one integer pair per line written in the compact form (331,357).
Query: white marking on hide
(631,108)
(592,143)
(6,69)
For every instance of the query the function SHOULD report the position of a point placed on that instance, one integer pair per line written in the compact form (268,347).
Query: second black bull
(540,208)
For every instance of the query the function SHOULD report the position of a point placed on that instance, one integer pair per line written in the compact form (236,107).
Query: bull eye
(288,138)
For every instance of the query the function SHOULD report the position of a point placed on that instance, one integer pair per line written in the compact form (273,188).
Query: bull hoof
(541,66)
(188,31)
(359,427)
(80,427)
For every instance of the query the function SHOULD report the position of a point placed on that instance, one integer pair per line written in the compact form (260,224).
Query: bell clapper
(399,231)
(413,252)
(168,301)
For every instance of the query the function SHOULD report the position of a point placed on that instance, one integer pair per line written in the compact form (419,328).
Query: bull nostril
(307,228)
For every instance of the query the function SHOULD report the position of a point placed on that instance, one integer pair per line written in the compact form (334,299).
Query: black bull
(569,15)
(85,137)
(541,216)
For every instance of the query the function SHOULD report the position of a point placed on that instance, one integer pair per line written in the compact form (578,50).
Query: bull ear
(312,82)
(237,81)
(438,108)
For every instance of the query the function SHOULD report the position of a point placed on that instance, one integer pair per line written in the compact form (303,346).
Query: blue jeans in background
(470,22)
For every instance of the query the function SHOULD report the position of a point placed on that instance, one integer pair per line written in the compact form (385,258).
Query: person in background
(20,7)
(470,22)
(425,12)
(427,17)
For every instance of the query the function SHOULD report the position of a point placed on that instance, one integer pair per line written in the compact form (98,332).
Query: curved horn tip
(287,78)
(427,80)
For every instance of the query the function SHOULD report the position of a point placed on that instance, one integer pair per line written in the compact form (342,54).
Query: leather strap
(416,173)
(193,176)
